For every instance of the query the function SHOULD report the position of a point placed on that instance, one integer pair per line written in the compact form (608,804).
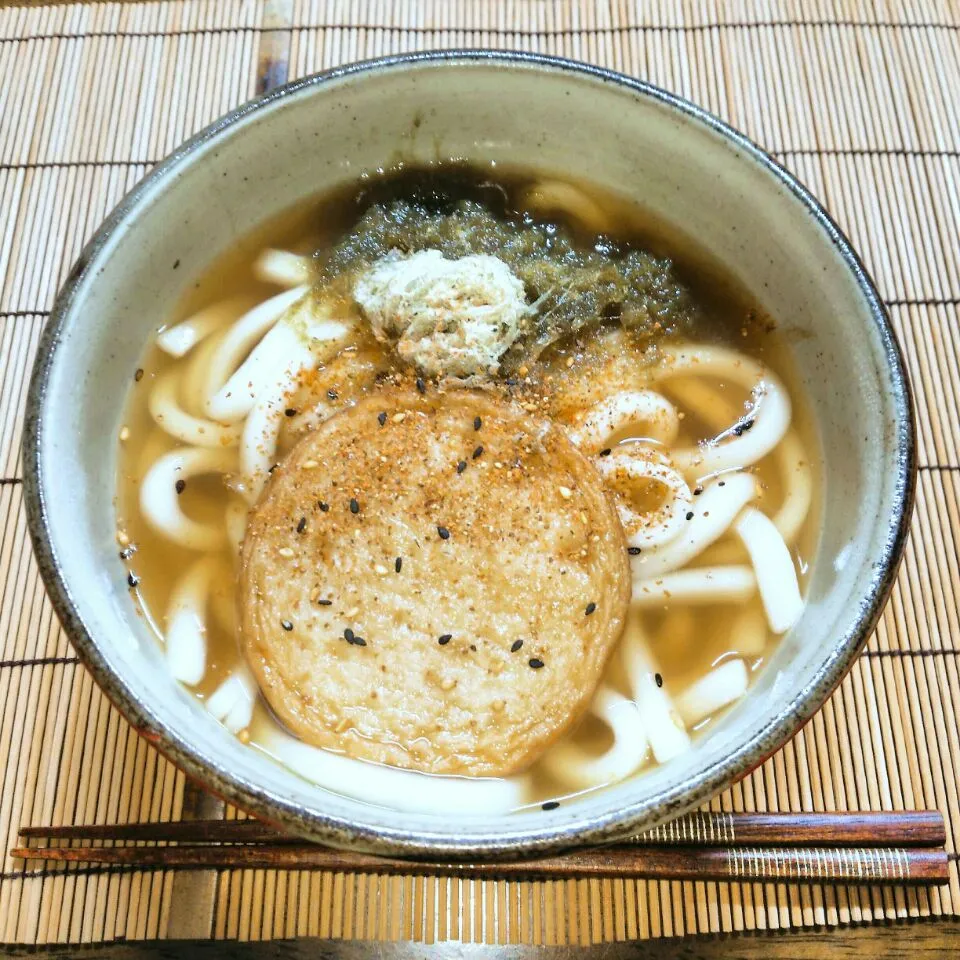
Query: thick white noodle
(748,635)
(633,413)
(773,565)
(554,196)
(185,636)
(159,501)
(233,701)
(797,482)
(713,513)
(236,520)
(657,528)
(173,419)
(664,727)
(389,786)
(701,585)
(236,398)
(578,769)
(240,339)
(769,418)
(258,445)
(712,692)
(282,268)
(179,340)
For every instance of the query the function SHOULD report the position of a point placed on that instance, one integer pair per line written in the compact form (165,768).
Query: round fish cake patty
(433,581)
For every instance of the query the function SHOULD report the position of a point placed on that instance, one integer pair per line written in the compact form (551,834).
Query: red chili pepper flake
(444,533)
(535,663)
(516,645)
(180,486)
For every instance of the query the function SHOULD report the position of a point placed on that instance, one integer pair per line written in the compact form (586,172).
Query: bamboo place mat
(860,100)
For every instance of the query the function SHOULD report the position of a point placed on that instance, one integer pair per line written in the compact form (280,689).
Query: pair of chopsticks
(903,847)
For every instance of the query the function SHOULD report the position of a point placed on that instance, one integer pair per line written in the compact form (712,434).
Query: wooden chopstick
(923,828)
(788,864)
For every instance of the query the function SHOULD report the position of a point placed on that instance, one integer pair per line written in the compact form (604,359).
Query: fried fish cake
(434,581)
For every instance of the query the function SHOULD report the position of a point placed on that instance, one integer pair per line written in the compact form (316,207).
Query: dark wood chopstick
(908,828)
(789,864)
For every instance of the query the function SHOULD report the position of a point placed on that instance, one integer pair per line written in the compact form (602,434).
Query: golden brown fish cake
(433,581)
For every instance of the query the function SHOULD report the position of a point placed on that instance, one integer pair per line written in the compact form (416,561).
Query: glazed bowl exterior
(685,167)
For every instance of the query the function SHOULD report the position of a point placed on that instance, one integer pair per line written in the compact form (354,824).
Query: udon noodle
(699,444)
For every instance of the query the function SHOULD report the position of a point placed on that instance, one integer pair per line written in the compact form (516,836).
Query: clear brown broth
(686,643)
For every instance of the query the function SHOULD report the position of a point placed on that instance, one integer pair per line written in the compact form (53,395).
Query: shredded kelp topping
(571,285)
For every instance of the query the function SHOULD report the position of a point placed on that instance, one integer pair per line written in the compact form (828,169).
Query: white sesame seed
(285,552)
(310,464)
(566,493)
(399,417)
(124,434)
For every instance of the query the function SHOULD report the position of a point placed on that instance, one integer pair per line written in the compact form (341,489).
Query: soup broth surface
(589,340)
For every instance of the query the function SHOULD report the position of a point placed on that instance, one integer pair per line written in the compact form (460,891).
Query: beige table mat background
(861,100)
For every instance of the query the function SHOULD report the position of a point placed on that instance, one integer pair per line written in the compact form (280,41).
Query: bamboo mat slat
(858,98)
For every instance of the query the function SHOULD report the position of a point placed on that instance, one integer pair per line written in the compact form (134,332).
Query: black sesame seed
(358,642)
(398,564)
(477,452)
(325,603)
(511,381)
(354,506)
(332,394)
(287,625)
(323,506)
(290,412)
(722,483)
(659,679)
(461,466)
(421,386)
(348,635)
(690,515)
(302,525)
(536,663)
(473,647)
(516,645)
(477,423)
(274,467)
(634,551)
(138,376)
(133,580)
(127,552)
(550,805)
(444,533)
(180,486)
(741,428)
(444,639)
(591,606)
(697,491)
(381,418)
(606,452)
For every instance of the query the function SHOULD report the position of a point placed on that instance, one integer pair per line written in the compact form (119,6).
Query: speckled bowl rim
(530,834)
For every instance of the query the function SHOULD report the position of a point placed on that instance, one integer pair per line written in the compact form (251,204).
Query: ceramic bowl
(688,169)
